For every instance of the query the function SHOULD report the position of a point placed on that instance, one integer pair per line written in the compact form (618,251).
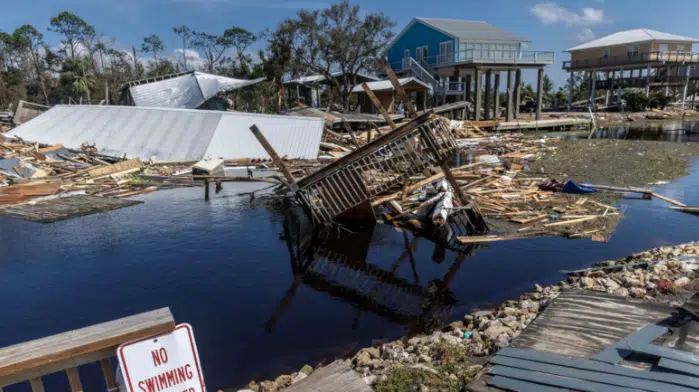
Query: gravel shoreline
(447,359)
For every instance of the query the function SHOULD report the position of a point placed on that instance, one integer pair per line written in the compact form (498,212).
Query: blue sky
(550,25)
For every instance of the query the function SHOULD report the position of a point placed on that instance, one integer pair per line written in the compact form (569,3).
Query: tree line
(88,67)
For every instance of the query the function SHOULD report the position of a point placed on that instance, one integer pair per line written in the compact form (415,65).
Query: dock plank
(54,210)
(579,324)
(338,376)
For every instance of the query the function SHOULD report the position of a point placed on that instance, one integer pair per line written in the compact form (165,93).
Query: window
(406,53)
(421,53)
(633,50)
(606,53)
(680,50)
(446,52)
(663,49)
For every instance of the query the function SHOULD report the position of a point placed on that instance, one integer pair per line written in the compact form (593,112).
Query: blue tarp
(571,187)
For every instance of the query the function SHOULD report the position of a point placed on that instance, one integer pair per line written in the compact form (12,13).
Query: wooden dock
(62,208)
(580,324)
(524,125)
(338,376)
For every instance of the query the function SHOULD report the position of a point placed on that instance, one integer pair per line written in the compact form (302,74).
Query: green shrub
(636,99)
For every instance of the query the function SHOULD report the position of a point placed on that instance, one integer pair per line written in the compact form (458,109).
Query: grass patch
(452,359)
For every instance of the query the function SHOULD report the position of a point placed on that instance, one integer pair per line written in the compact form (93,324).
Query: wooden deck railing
(31,360)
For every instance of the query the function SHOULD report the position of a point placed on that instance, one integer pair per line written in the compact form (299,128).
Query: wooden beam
(35,358)
(273,154)
(352,135)
(402,95)
(378,105)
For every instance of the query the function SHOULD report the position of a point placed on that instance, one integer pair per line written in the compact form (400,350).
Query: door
(446,52)
(663,51)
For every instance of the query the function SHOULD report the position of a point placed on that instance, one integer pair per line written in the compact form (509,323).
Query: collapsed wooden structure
(377,167)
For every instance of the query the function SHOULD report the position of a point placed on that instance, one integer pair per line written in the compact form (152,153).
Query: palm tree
(83,84)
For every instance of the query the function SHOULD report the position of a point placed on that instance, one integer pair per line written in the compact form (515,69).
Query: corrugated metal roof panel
(632,36)
(387,85)
(186,91)
(292,137)
(172,134)
(180,92)
(469,30)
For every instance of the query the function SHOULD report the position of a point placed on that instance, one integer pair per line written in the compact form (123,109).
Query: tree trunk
(184,52)
(102,61)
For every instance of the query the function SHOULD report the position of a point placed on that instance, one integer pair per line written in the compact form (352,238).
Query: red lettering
(141,385)
(150,383)
(181,374)
(171,380)
(188,371)
(162,381)
(159,357)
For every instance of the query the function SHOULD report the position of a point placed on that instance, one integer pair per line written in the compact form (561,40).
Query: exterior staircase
(413,68)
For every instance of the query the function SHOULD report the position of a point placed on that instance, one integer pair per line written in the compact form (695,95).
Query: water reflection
(672,131)
(335,263)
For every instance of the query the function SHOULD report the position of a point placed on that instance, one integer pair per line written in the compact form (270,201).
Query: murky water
(672,131)
(224,266)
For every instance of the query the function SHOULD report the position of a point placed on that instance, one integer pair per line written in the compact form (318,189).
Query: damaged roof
(169,135)
(187,90)
(312,79)
(387,85)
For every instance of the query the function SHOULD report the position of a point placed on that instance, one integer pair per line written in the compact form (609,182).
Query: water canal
(224,267)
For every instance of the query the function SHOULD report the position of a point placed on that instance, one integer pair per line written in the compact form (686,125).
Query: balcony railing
(639,82)
(637,58)
(491,56)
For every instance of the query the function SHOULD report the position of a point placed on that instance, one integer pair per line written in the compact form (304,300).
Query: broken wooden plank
(667,199)
(571,222)
(378,105)
(116,168)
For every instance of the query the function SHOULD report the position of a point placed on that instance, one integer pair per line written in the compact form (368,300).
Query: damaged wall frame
(378,167)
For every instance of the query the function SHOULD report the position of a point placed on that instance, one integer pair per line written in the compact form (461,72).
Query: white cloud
(586,35)
(552,13)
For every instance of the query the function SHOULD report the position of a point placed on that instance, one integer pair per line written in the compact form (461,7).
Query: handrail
(29,361)
(492,55)
(645,57)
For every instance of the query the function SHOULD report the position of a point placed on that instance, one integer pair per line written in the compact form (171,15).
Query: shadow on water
(266,296)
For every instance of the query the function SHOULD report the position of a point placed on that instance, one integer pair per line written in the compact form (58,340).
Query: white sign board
(165,363)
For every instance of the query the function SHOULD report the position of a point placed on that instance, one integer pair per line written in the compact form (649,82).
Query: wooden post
(275,158)
(351,133)
(37,384)
(402,95)
(496,110)
(74,380)
(206,189)
(378,105)
(454,184)
(509,112)
(108,373)
(479,89)
(518,92)
(488,74)
(539,92)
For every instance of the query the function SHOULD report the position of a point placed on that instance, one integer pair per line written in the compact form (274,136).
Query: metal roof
(311,79)
(172,134)
(387,85)
(470,30)
(632,36)
(187,91)
(292,137)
